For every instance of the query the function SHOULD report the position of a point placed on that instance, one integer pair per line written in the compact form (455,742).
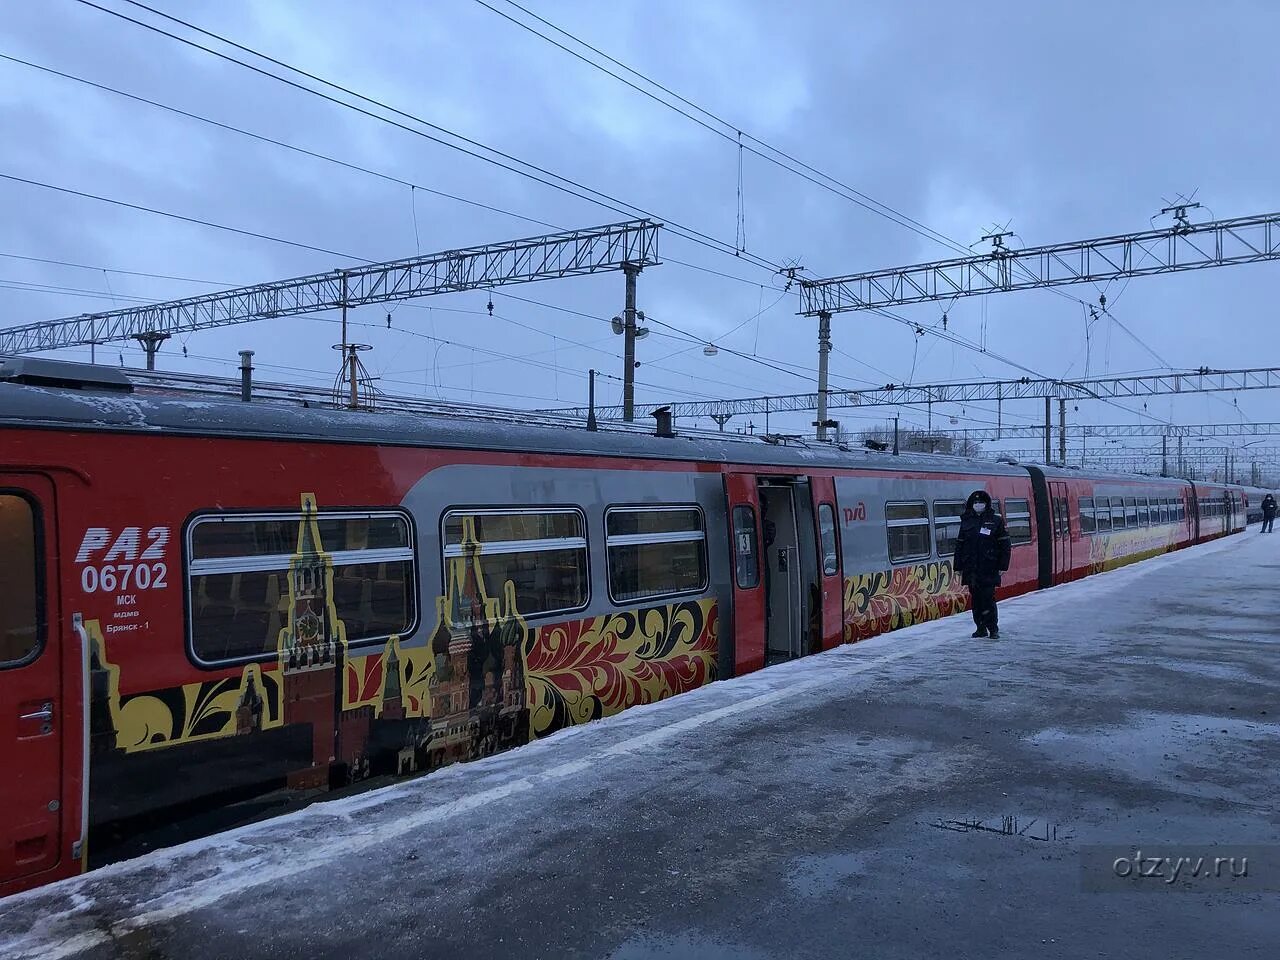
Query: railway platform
(918,794)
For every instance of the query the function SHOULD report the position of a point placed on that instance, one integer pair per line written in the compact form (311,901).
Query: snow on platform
(917,794)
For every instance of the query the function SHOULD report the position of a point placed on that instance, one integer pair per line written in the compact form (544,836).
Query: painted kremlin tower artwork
(459,697)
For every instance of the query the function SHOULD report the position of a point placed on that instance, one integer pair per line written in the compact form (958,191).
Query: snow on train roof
(183,412)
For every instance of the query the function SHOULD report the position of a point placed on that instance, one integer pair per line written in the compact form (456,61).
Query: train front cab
(787,593)
(42,717)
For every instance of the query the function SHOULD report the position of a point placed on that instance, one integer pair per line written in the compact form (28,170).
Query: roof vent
(34,372)
(1009,460)
(663,418)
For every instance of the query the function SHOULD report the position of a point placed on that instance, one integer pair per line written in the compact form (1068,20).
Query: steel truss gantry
(1104,431)
(1109,455)
(1184,246)
(1196,381)
(632,244)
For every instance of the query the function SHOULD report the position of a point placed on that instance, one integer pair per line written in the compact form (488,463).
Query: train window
(746,560)
(1102,512)
(946,526)
(1144,514)
(655,552)
(1061,518)
(21,629)
(242,584)
(1117,513)
(827,531)
(1018,520)
(1130,512)
(541,552)
(908,525)
(1086,515)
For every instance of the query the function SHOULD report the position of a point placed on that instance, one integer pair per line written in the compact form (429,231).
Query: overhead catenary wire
(178,216)
(328,158)
(727,130)
(463,145)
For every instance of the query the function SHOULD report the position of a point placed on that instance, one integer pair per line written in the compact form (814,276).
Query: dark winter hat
(976,496)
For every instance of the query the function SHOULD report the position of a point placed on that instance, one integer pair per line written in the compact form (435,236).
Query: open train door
(831,585)
(33,713)
(743,499)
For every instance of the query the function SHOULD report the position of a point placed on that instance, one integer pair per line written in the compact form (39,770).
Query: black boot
(994,634)
(980,632)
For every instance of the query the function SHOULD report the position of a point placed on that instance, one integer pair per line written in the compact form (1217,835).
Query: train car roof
(53,394)
(105,407)
(1067,473)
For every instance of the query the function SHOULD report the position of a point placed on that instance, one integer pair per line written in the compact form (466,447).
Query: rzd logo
(127,563)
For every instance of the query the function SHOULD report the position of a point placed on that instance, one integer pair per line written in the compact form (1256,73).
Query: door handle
(45,713)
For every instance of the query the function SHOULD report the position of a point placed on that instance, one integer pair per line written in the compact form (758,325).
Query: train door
(1061,508)
(786,625)
(31,702)
(743,501)
(830,583)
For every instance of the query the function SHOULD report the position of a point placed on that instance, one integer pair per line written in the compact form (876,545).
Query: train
(217,608)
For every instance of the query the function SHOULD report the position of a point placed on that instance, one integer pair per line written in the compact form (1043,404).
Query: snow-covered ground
(792,812)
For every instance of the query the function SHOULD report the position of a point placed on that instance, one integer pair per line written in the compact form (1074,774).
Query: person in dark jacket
(982,554)
(1268,513)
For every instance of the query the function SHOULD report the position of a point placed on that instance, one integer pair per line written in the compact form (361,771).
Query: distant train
(217,606)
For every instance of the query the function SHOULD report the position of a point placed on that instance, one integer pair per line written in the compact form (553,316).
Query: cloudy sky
(1063,121)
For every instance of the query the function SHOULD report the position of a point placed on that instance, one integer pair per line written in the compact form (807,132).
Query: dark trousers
(1267,522)
(983,596)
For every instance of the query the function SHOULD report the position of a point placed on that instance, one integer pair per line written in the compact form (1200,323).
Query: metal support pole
(348,350)
(1048,429)
(824,352)
(1182,464)
(1164,455)
(721,419)
(246,375)
(151,341)
(630,271)
(895,434)
(1062,432)
(353,366)
(591,400)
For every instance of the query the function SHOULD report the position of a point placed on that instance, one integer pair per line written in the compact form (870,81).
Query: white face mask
(979,507)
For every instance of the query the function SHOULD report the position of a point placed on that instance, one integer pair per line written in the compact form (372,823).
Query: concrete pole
(151,341)
(1048,430)
(824,352)
(349,351)
(352,368)
(1062,432)
(591,400)
(630,271)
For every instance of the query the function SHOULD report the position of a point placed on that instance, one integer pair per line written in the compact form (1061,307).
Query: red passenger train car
(214,607)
